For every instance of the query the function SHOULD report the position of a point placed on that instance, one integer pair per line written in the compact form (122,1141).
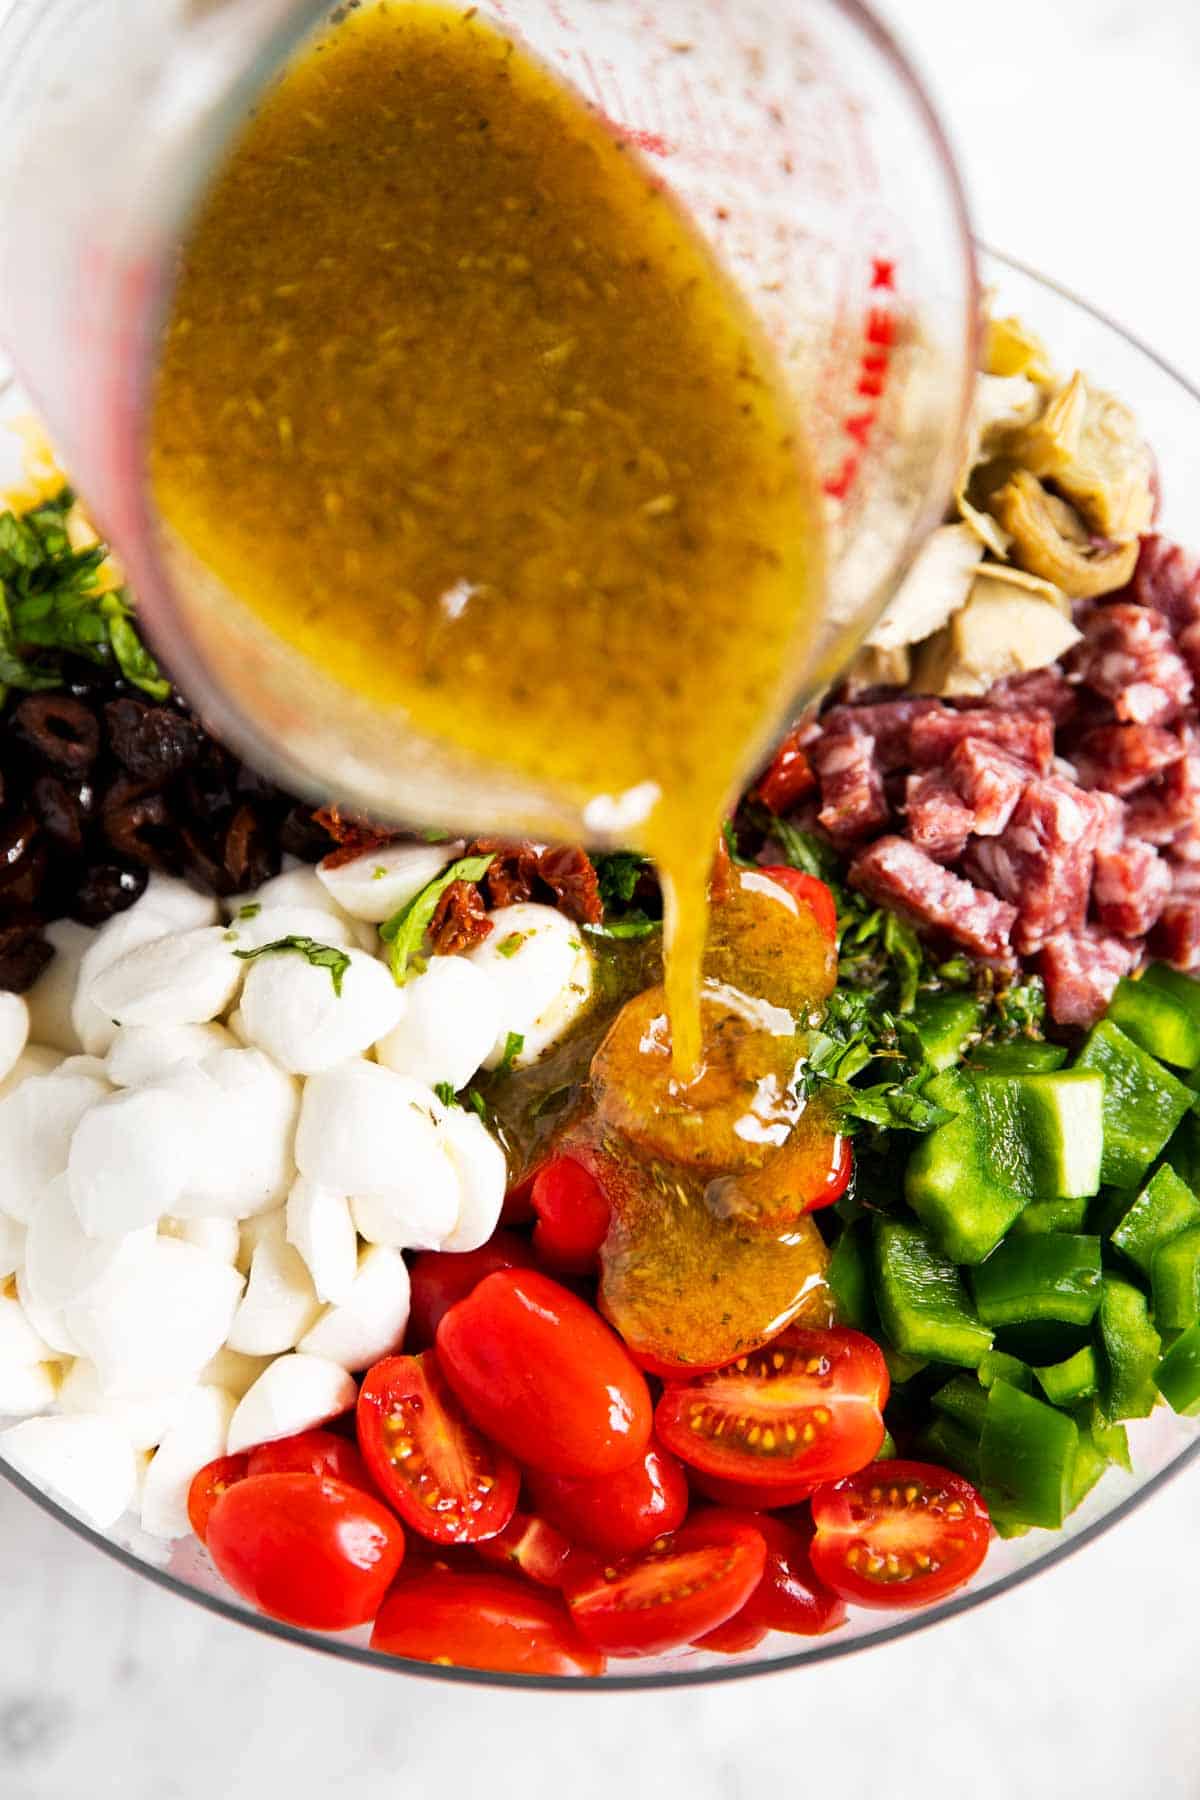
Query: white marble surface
(1079,129)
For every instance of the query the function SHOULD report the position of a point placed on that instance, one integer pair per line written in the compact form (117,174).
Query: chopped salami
(1188,639)
(895,873)
(1029,736)
(1041,690)
(1128,656)
(1114,818)
(1122,758)
(1167,810)
(939,820)
(1130,887)
(1081,970)
(1042,861)
(889,722)
(1176,937)
(1167,579)
(990,782)
(853,803)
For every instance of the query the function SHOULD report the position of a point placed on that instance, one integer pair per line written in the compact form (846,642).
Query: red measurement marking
(651,141)
(879,335)
(883,273)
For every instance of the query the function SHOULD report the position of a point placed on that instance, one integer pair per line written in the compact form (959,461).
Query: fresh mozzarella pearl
(320,1225)
(166,906)
(276,922)
(280,1303)
(181,907)
(366,1131)
(543,969)
(26,1389)
(244,1163)
(142,1418)
(12,1246)
(38,1119)
(20,1344)
(37,1059)
(94,1066)
(130,1157)
(159,1312)
(51,996)
(450,1020)
(86,1463)
(14,1031)
(378,884)
(142,1053)
(482,1175)
(231,1370)
(216,1237)
(236,1029)
(48,1322)
(186,978)
(292,1394)
(370,1322)
(300,889)
(292,1011)
(196,1435)
(61,1261)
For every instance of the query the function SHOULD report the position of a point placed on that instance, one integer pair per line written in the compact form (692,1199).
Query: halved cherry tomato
(572,1216)
(208,1486)
(686,1585)
(807,1407)
(442,1476)
(810,892)
(316,1453)
(616,1514)
(749,1496)
(306,1548)
(529,1546)
(791,1596)
(734,1638)
(482,1621)
(441,1278)
(790,777)
(898,1534)
(542,1374)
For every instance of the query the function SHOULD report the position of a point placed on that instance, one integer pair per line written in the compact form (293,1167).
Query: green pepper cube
(1183,989)
(949,1182)
(952,1446)
(1051,1215)
(998,1365)
(963,1400)
(1143,1103)
(945,1023)
(1024,1056)
(1165,1207)
(901,1366)
(1153,1017)
(1111,1440)
(923,1303)
(1053,1276)
(1175,1281)
(849,1278)
(1027,1453)
(887,1451)
(1066,1383)
(1090,1464)
(1128,1349)
(1178,1374)
(1183,1151)
(1063,1117)
(1007,1150)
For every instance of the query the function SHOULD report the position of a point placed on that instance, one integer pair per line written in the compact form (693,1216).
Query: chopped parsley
(446,1093)
(514,1043)
(509,945)
(404,932)
(635,924)
(618,872)
(251,910)
(321,956)
(478,1104)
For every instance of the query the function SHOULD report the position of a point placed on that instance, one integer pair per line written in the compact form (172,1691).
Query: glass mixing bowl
(1169,409)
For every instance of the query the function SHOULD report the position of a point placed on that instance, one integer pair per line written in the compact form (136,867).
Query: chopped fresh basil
(633,925)
(321,956)
(509,945)
(404,932)
(618,873)
(446,1093)
(514,1043)
(251,910)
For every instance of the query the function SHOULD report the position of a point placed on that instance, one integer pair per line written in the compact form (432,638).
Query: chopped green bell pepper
(945,1024)
(997,1365)
(1178,1374)
(949,1444)
(1024,1056)
(849,1278)
(1143,1103)
(1165,1207)
(1183,1151)
(1112,1441)
(950,1182)
(1066,1383)
(1153,1017)
(1183,989)
(1052,1276)
(1128,1351)
(1051,1215)
(1027,1453)
(1007,1149)
(1063,1118)
(1175,1281)
(963,1400)
(923,1304)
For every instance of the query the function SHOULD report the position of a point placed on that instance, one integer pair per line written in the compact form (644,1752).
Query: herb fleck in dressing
(458,402)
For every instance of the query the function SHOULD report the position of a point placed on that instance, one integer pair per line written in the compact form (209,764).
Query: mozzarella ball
(180,906)
(12,1246)
(186,978)
(38,1120)
(61,1260)
(20,1344)
(298,889)
(280,1302)
(196,1435)
(378,884)
(320,1225)
(86,1463)
(216,1237)
(371,1321)
(52,994)
(277,922)
(539,961)
(49,1322)
(14,1031)
(482,1175)
(36,1059)
(292,1011)
(131,1156)
(95,1066)
(231,1370)
(292,1394)
(142,1418)
(449,1021)
(159,1312)
(143,1053)
(26,1389)
(244,1164)
(365,1130)
(166,906)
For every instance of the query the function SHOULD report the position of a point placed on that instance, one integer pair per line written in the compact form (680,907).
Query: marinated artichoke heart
(1011,624)
(1051,539)
(936,586)
(1010,348)
(1088,444)
(1003,406)
(880,668)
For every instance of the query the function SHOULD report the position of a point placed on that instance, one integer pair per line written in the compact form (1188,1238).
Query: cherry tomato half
(572,1216)
(543,1375)
(442,1476)
(898,1534)
(208,1486)
(734,1638)
(686,1585)
(791,1596)
(315,1453)
(529,1546)
(306,1549)
(810,892)
(807,1407)
(749,1496)
(790,777)
(616,1514)
(440,1278)
(482,1621)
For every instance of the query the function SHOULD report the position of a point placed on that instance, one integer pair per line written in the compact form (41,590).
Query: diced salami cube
(853,803)
(1167,810)
(1122,758)
(1129,657)
(1176,937)
(889,722)
(1081,969)
(1029,736)
(895,873)
(939,822)
(1130,887)
(1113,815)
(1042,861)
(1188,639)
(1040,690)
(1167,578)
(990,782)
